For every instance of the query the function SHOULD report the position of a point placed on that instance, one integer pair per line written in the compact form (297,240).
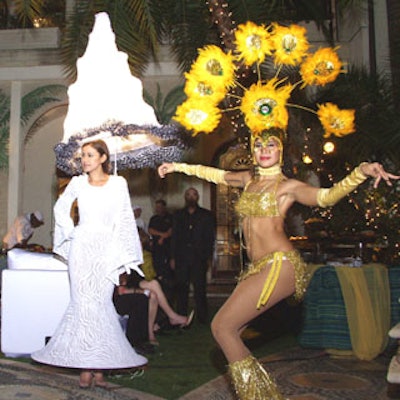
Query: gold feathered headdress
(264,104)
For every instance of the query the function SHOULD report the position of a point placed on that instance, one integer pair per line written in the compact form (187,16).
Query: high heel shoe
(189,321)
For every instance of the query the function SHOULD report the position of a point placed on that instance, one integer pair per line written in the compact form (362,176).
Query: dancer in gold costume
(276,270)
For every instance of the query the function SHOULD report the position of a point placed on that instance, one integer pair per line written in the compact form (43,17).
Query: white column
(69,7)
(16,154)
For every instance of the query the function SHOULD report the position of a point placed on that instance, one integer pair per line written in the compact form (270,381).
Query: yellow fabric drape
(147,266)
(367,299)
(271,280)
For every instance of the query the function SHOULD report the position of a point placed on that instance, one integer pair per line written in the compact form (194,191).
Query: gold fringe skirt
(276,258)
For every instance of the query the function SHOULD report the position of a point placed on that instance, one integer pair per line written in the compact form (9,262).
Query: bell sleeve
(127,246)
(64,224)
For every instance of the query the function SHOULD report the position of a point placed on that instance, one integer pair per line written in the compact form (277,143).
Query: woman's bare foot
(182,321)
(99,380)
(178,320)
(153,340)
(85,379)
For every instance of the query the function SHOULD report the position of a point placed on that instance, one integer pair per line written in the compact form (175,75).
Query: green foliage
(30,104)
(177,368)
(38,97)
(377,138)
(3,146)
(23,13)
(4,129)
(141,26)
(135,23)
(377,134)
(164,107)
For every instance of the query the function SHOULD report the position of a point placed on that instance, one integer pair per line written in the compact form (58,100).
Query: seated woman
(134,283)
(136,307)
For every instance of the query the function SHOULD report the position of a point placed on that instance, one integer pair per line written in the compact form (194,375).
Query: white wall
(3,202)
(39,178)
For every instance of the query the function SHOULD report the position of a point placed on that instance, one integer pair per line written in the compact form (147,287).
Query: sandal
(189,321)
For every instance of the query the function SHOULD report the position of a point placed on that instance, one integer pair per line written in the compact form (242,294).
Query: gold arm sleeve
(210,174)
(329,197)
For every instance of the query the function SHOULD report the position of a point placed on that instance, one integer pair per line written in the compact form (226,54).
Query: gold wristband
(209,174)
(329,197)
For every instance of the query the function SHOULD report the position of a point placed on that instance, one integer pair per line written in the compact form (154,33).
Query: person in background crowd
(22,230)
(137,212)
(160,229)
(135,283)
(104,244)
(192,247)
(276,269)
(133,304)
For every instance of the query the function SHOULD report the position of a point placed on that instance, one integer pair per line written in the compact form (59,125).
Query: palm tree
(30,104)
(164,107)
(29,13)
(142,26)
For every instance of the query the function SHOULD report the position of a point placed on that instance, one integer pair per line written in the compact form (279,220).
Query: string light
(329,147)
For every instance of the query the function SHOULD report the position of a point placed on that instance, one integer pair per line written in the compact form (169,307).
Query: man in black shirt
(192,245)
(160,229)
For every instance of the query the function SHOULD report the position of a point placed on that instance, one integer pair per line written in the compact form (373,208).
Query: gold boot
(252,382)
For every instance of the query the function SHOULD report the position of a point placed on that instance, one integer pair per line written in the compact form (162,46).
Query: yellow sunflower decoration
(264,106)
(214,67)
(290,44)
(213,77)
(321,67)
(198,115)
(335,121)
(200,89)
(253,43)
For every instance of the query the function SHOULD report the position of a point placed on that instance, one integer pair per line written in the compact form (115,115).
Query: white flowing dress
(103,244)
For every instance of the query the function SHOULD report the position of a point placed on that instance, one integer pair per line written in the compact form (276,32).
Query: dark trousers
(192,271)
(136,306)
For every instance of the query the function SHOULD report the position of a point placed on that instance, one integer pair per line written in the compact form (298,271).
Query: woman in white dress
(104,244)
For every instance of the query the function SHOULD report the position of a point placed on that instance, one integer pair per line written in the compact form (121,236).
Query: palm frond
(165,107)
(28,11)
(4,131)
(139,45)
(377,120)
(144,18)
(30,103)
(188,27)
(75,37)
(35,99)
(4,108)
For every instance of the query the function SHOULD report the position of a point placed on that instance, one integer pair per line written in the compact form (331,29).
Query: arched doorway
(233,157)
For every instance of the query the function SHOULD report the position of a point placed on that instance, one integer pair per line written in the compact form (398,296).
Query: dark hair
(161,201)
(101,147)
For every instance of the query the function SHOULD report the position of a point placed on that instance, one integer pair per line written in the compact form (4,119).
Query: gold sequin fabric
(300,270)
(252,382)
(251,204)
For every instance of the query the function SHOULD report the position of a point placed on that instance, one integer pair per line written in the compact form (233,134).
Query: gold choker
(274,170)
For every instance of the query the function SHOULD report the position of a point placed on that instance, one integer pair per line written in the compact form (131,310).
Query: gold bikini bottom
(276,258)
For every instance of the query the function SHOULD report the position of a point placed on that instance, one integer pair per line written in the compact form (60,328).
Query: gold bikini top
(258,204)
